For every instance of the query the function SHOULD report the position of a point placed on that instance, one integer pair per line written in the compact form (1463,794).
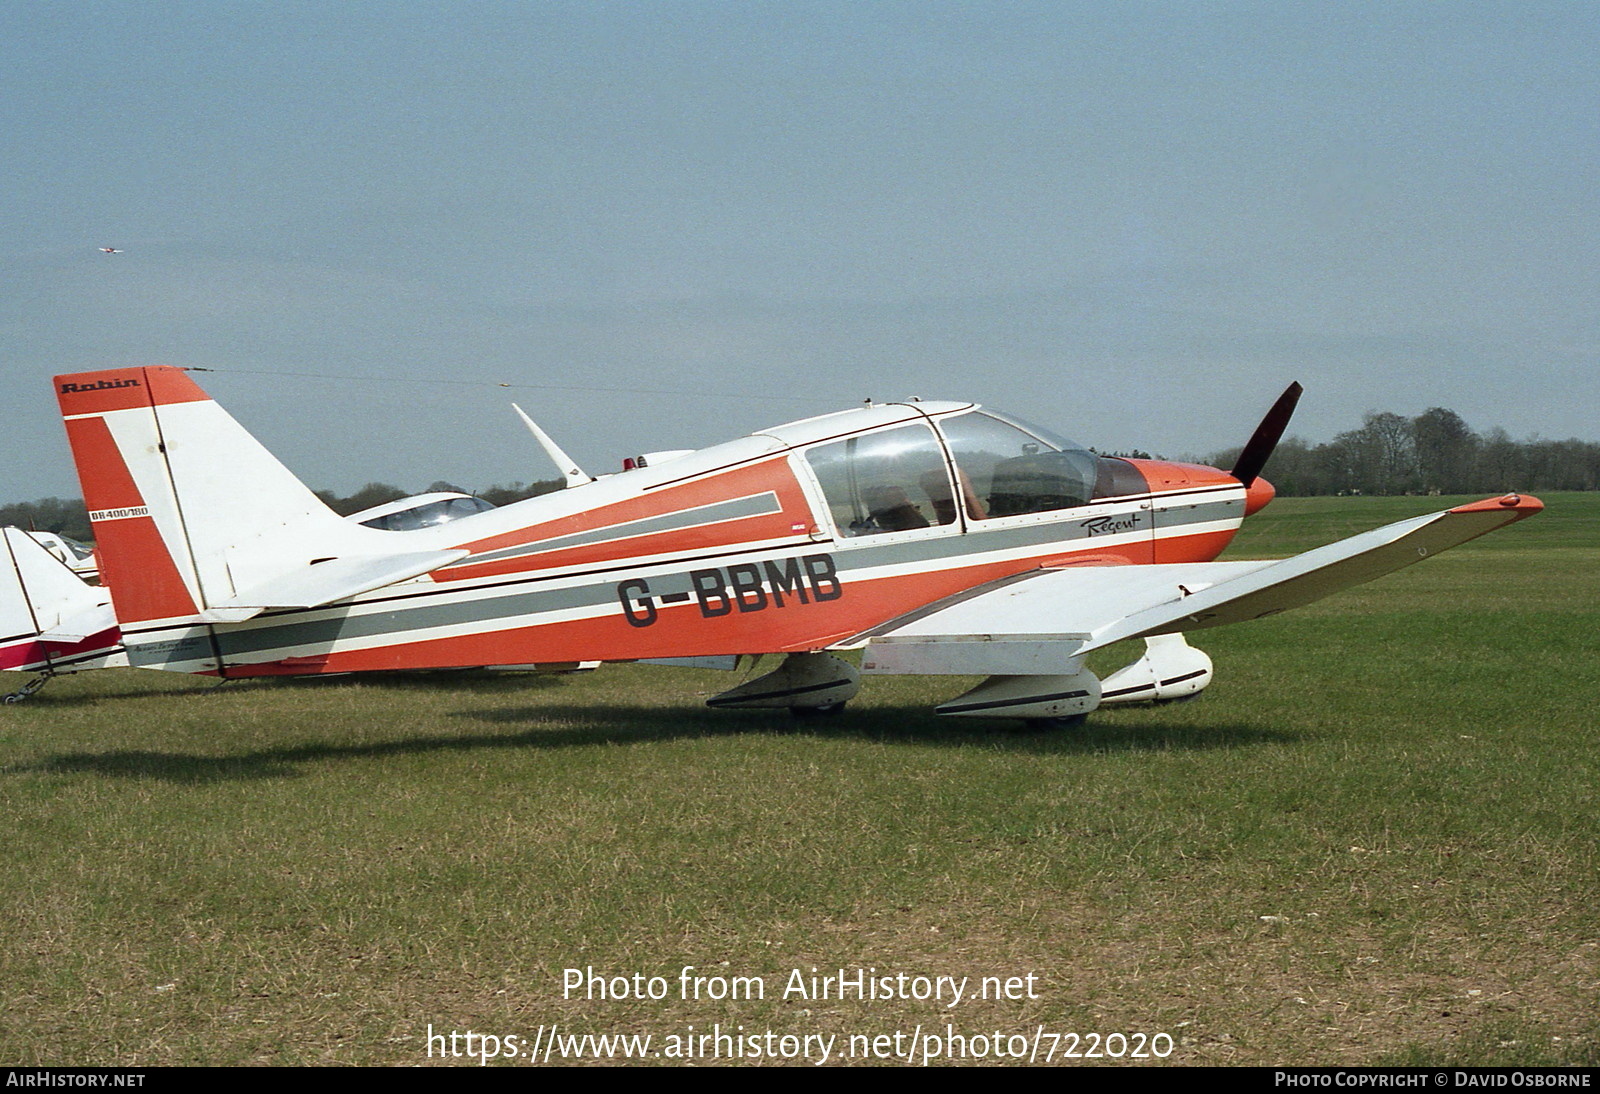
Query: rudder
(195,520)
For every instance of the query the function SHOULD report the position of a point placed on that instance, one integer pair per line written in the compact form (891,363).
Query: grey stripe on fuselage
(1068,529)
(153,651)
(530,597)
(755,505)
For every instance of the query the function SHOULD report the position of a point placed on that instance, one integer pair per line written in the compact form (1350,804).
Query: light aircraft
(938,537)
(78,557)
(52,620)
(54,625)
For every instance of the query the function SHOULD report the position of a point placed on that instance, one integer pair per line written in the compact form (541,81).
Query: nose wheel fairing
(1169,669)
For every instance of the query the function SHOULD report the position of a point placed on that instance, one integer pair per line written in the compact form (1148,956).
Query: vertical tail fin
(194,519)
(138,528)
(51,620)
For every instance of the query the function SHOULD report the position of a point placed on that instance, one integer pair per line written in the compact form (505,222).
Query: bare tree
(1445,448)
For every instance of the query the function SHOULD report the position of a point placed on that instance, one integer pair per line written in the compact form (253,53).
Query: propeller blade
(1266,437)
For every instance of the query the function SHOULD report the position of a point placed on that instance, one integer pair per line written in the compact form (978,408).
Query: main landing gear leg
(27,689)
(808,684)
(1039,702)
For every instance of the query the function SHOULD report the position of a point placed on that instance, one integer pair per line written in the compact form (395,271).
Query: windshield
(79,551)
(1006,468)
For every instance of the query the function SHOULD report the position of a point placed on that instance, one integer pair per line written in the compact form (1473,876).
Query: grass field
(1373,840)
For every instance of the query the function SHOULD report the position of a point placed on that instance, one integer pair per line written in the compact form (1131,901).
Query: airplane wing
(1033,624)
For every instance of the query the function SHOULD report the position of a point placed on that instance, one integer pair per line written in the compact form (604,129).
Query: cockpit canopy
(78,557)
(897,479)
(421,511)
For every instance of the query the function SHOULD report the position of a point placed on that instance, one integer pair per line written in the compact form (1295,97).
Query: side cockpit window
(1006,469)
(890,481)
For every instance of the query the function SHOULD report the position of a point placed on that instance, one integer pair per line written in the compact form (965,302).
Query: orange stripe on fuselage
(684,630)
(1167,477)
(1194,547)
(773,476)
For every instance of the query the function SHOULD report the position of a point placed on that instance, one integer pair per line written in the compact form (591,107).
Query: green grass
(1403,779)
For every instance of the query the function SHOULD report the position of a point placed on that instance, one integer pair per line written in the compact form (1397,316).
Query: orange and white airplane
(939,537)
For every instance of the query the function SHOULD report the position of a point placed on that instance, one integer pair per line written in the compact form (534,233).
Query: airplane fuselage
(795,539)
(942,538)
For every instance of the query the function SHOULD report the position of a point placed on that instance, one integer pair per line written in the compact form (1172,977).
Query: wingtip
(1525,504)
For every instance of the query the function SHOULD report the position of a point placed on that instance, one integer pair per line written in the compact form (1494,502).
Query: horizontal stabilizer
(1024,627)
(330,580)
(82,624)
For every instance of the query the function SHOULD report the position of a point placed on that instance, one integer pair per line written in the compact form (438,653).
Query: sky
(662,225)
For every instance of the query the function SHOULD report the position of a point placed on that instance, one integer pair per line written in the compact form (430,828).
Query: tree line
(1433,453)
(67,516)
